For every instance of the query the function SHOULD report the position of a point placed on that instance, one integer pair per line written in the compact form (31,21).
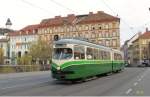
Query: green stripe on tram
(85,62)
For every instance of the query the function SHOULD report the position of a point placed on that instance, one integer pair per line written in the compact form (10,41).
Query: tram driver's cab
(62,53)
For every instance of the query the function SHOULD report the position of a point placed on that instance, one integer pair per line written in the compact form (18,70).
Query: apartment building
(128,49)
(4,46)
(141,50)
(20,41)
(100,28)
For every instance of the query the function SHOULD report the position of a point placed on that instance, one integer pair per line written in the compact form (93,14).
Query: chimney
(90,13)
(71,15)
(99,12)
(57,17)
(146,29)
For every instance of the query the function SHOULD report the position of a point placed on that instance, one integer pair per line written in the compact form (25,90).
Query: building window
(74,28)
(103,42)
(26,52)
(86,35)
(106,26)
(103,34)
(25,39)
(13,54)
(86,27)
(50,30)
(144,42)
(107,43)
(61,29)
(100,34)
(19,54)
(107,35)
(99,26)
(58,29)
(114,34)
(93,28)
(114,43)
(110,25)
(73,35)
(68,29)
(113,25)
(45,31)
(93,35)
(100,42)
(80,28)
(110,34)
(54,29)
(71,28)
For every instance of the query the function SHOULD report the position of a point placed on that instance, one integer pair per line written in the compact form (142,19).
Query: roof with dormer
(5,30)
(28,30)
(145,35)
(72,19)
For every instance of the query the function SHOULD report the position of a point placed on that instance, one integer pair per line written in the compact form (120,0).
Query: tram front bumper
(61,74)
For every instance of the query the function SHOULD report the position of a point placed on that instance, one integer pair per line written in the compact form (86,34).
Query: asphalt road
(132,81)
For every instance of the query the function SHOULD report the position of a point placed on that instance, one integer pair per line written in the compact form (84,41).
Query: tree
(1,56)
(24,60)
(40,51)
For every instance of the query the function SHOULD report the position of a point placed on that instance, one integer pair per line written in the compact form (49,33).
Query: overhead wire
(36,6)
(61,5)
(123,20)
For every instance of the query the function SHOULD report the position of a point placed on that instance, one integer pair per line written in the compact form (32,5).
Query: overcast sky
(134,14)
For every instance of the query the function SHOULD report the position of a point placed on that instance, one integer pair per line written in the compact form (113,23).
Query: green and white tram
(76,59)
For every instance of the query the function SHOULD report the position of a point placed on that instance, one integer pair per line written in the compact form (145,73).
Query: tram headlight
(58,68)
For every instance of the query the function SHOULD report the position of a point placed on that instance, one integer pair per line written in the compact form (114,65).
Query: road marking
(142,76)
(139,79)
(135,83)
(18,86)
(128,91)
(139,92)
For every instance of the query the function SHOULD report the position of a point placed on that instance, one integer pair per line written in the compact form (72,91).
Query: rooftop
(72,19)
(28,30)
(5,30)
(145,35)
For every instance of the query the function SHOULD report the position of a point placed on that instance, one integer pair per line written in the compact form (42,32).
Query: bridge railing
(23,68)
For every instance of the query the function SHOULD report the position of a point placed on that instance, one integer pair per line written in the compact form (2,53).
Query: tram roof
(80,42)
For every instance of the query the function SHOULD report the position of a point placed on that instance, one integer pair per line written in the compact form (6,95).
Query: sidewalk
(23,74)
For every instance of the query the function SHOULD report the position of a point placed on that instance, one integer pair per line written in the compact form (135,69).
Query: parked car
(144,63)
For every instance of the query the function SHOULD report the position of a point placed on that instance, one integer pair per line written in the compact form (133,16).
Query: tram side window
(95,54)
(79,52)
(89,53)
(105,55)
(117,56)
(108,55)
(100,55)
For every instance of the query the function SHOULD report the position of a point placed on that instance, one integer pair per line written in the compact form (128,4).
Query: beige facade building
(141,50)
(128,49)
(20,41)
(100,28)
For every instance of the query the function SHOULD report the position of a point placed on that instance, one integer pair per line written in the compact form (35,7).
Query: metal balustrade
(23,68)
